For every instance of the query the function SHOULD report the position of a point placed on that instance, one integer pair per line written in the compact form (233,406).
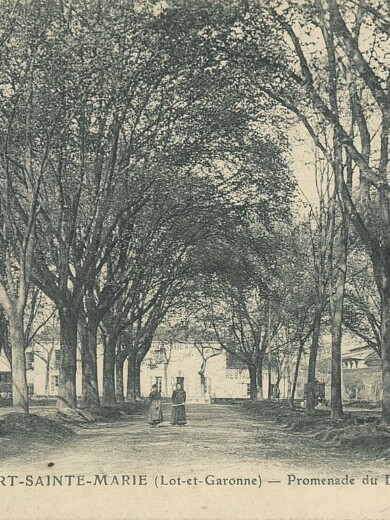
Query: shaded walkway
(224,441)
(216,437)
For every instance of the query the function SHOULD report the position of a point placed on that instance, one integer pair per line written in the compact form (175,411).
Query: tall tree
(364,82)
(27,132)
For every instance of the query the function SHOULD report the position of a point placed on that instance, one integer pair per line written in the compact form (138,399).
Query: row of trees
(143,168)
(123,152)
(325,63)
(270,306)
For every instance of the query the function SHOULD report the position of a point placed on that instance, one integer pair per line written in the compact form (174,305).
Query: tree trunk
(259,383)
(385,336)
(311,374)
(338,261)
(119,386)
(253,382)
(131,368)
(269,393)
(141,353)
(109,398)
(137,379)
(202,385)
(289,384)
(47,371)
(276,388)
(88,336)
(19,380)
(336,327)
(4,337)
(67,397)
(166,379)
(296,373)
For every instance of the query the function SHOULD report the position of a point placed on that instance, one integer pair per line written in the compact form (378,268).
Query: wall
(186,361)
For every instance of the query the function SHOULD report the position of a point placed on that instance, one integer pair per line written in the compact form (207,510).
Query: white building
(42,363)
(164,365)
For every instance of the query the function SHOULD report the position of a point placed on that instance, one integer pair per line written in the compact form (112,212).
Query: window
(248,389)
(159,383)
(54,384)
(30,389)
(29,360)
(57,360)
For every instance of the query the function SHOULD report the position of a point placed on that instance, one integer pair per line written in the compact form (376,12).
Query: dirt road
(220,446)
(217,436)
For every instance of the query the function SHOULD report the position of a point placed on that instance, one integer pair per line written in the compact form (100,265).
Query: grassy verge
(370,438)
(23,433)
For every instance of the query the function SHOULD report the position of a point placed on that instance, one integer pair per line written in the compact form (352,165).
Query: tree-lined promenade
(147,186)
(219,439)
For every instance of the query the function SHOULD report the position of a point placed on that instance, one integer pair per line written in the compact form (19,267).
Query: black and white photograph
(194,259)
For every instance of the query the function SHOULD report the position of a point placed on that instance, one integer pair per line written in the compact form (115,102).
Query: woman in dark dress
(178,406)
(155,411)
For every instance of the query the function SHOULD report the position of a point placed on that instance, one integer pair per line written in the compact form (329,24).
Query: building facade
(206,373)
(362,376)
(42,371)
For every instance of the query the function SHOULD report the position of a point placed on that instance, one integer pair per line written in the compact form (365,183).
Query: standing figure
(178,406)
(155,411)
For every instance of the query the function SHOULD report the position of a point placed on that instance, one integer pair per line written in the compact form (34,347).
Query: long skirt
(179,414)
(155,412)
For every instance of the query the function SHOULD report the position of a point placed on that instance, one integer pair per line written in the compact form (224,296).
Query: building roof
(365,353)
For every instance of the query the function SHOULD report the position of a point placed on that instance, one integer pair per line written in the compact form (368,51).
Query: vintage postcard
(194,259)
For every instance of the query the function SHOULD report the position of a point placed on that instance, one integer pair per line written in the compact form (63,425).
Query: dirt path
(220,442)
(216,437)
